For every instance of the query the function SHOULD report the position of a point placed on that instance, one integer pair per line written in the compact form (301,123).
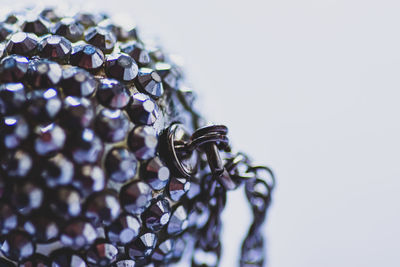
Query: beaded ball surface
(82,104)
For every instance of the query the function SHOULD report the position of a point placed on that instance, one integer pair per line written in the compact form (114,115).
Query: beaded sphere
(82,105)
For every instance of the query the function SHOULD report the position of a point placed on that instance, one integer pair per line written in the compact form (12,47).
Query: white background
(311,88)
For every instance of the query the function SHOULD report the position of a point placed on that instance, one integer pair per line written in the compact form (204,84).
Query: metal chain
(227,174)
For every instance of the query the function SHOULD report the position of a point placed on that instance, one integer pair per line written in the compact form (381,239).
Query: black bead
(155,173)
(135,197)
(169,74)
(16,163)
(49,139)
(36,25)
(89,179)
(102,208)
(17,245)
(78,234)
(49,14)
(42,227)
(121,66)
(12,98)
(70,29)
(57,170)
(77,82)
(26,197)
(113,94)
(178,221)
(55,47)
(36,260)
(120,164)
(163,252)
(13,68)
(66,258)
(8,218)
(77,112)
(87,19)
(118,31)
(101,38)
(178,187)
(123,230)
(86,147)
(43,106)
(44,73)
(87,56)
(22,43)
(143,142)
(6,30)
(137,51)
(149,81)
(13,131)
(142,246)
(112,125)
(66,202)
(101,254)
(143,109)
(157,215)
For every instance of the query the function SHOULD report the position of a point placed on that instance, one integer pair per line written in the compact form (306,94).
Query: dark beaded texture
(83,106)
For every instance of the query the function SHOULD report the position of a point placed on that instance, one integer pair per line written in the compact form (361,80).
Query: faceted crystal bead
(87,56)
(77,82)
(120,164)
(178,221)
(86,19)
(70,29)
(16,163)
(8,218)
(26,197)
(143,109)
(178,187)
(35,24)
(125,263)
(102,208)
(66,258)
(5,30)
(157,215)
(113,94)
(43,73)
(137,52)
(142,246)
(86,147)
(78,234)
(118,31)
(179,248)
(155,173)
(149,81)
(101,254)
(163,252)
(169,74)
(112,125)
(66,202)
(12,98)
(123,230)
(77,112)
(89,179)
(101,38)
(156,53)
(22,43)
(143,142)
(50,139)
(42,227)
(43,105)
(135,197)
(55,47)
(13,131)
(50,14)
(13,68)
(36,260)
(17,245)
(121,66)
(57,170)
